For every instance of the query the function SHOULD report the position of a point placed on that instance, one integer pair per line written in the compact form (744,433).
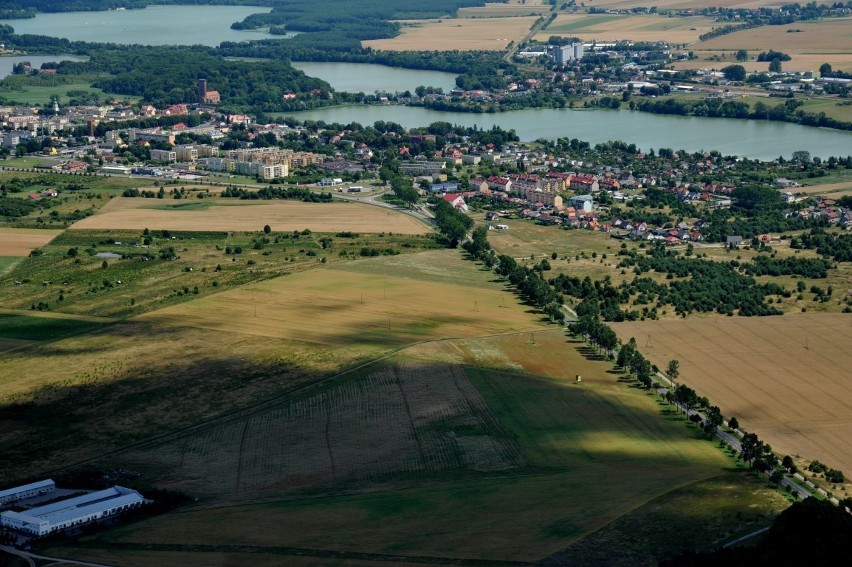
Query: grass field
(22,241)
(137,278)
(826,41)
(785,378)
(24,162)
(130,213)
(33,328)
(12,344)
(466,34)
(127,382)
(399,421)
(122,364)
(372,304)
(520,452)
(42,90)
(606,27)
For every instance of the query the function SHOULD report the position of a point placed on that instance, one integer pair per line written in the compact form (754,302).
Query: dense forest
(169,75)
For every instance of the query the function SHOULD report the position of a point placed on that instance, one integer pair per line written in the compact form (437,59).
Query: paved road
(537,27)
(419,212)
(733,441)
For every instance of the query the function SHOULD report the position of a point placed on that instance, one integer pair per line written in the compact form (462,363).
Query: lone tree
(673,370)
(733,423)
(267,229)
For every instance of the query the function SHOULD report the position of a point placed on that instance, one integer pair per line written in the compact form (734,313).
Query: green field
(42,328)
(42,90)
(183,206)
(24,162)
(8,263)
(143,279)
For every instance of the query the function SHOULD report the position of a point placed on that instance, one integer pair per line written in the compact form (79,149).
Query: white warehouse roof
(44,519)
(25,488)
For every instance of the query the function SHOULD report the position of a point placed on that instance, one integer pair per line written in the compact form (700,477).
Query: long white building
(64,514)
(26,491)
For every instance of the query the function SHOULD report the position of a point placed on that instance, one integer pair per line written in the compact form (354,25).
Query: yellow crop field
(606,27)
(784,378)
(826,41)
(466,34)
(134,213)
(21,241)
(371,303)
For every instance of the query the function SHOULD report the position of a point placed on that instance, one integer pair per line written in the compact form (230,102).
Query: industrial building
(26,491)
(70,512)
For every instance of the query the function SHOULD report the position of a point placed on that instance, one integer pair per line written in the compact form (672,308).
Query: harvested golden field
(21,241)
(465,34)
(607,27)
(826,41)
(375,304)
(832,190)
(509,9)
(785,378)
(133,213)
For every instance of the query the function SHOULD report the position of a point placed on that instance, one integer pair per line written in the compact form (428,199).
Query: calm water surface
(155,25)
(368,78)
(748,138)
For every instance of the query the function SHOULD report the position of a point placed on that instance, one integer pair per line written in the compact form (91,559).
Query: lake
(748,138)
(155,25)
(368,78)
(8,63)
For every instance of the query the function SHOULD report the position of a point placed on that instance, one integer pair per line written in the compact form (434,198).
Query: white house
(456,200)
